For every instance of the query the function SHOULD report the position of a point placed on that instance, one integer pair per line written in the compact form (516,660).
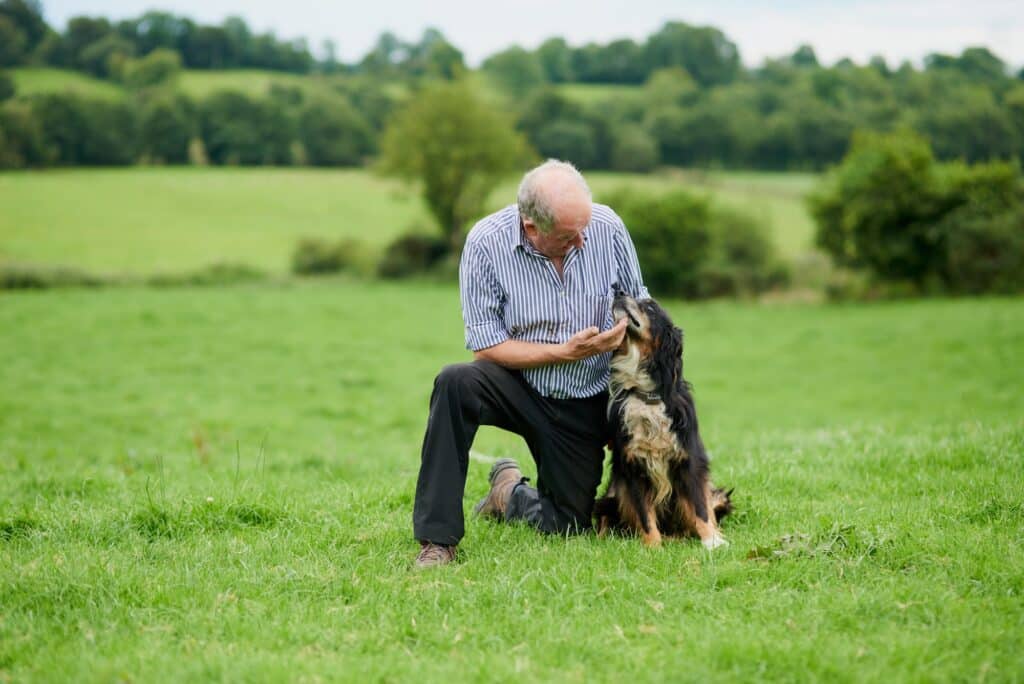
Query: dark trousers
(566,438)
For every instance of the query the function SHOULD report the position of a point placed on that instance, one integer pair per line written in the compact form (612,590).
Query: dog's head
(651,338)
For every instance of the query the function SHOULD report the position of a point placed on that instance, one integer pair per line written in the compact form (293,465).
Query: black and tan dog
(660,482)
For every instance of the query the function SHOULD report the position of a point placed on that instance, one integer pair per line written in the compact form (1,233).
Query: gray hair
(536,201)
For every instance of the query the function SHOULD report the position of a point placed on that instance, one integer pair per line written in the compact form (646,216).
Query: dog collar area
(647,397)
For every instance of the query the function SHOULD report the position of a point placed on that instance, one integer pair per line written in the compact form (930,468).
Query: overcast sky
(897,29)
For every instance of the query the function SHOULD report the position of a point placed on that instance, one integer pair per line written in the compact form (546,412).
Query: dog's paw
(714,542)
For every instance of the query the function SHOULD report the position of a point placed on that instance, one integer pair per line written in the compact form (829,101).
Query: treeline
(790,114)
(97,45)
(684,98)
(161,127)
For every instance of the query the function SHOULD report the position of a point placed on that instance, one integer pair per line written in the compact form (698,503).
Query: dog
(660,480)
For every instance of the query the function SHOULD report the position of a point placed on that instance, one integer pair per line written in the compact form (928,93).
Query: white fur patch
(716,541)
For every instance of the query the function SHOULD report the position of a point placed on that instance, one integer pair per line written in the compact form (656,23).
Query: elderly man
(537,281)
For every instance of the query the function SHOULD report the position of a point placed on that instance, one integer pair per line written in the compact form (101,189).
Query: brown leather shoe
(504,476)
(432,555)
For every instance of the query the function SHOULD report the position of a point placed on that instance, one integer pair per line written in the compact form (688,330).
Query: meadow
(217,484)
(145,220)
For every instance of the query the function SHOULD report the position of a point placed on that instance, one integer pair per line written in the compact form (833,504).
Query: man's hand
(589,342)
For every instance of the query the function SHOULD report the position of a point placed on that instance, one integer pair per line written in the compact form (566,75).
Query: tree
(106,56)
(705,52)
(634,150)
(515,70)
(159,67)
(804,57)
(877,208)
(22,142)
(237,129)
(13,43)
(669,87)
(24,23)
(7,88)
(457,147)
(334,133)
(166,125)
(556,59)
(567,139)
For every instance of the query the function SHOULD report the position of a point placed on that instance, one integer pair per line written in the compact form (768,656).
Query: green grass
(145,220)
(200,83)
(218,484)
(598,93)
(33,81)
(197,83)
(142,220)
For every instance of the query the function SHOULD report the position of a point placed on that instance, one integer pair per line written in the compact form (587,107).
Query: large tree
(456,147)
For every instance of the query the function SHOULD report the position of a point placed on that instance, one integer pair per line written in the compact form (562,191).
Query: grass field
(145,220)
(599,93)
(39,80)
(217,484)
(197,83)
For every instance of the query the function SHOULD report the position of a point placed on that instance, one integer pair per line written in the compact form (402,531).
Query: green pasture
(146,220)
(217,484)
(200,83)
(197,83)
(42,80)
(599,93)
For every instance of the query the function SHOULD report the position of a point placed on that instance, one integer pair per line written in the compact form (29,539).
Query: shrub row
(692,248)
(688,248)
(913,223)
(14,276)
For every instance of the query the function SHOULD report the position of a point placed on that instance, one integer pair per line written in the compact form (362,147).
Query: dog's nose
(617,290)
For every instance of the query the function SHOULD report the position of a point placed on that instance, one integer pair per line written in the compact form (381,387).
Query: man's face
(566,233)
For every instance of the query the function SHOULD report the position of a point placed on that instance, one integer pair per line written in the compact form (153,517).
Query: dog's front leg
(652,535)
(707,530)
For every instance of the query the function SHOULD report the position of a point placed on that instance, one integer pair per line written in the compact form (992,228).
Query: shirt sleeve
(482,299)
(630,279)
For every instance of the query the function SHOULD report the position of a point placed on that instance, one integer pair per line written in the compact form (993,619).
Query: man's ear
(530,227)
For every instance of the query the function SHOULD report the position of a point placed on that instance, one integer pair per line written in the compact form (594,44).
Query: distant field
(594,93)
(255,82)
(145,220)
(32,81)
(216,484)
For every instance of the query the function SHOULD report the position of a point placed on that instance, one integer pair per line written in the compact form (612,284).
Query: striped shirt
(512,292)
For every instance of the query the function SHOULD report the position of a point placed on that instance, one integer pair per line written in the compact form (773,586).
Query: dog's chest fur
(651,443)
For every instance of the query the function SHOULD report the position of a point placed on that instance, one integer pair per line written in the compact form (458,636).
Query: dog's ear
(666,360)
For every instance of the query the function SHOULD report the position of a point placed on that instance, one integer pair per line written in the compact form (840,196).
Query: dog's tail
(721,502)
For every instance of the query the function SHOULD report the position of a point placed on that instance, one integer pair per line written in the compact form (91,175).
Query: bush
(85,131)
(742,259)
(570,140)
(213,275)
(891,209)
(689,248)
(159,67)
(7,88)
(634,150)
(412,255)
(986,253)
(237,129)
(166,125)
(315,256)
(21,138)
(334,133)
(31,277)
(672,238)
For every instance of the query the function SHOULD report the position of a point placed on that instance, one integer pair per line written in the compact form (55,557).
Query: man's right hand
(591,341)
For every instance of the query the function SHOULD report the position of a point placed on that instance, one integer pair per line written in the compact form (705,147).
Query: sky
(896,29)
